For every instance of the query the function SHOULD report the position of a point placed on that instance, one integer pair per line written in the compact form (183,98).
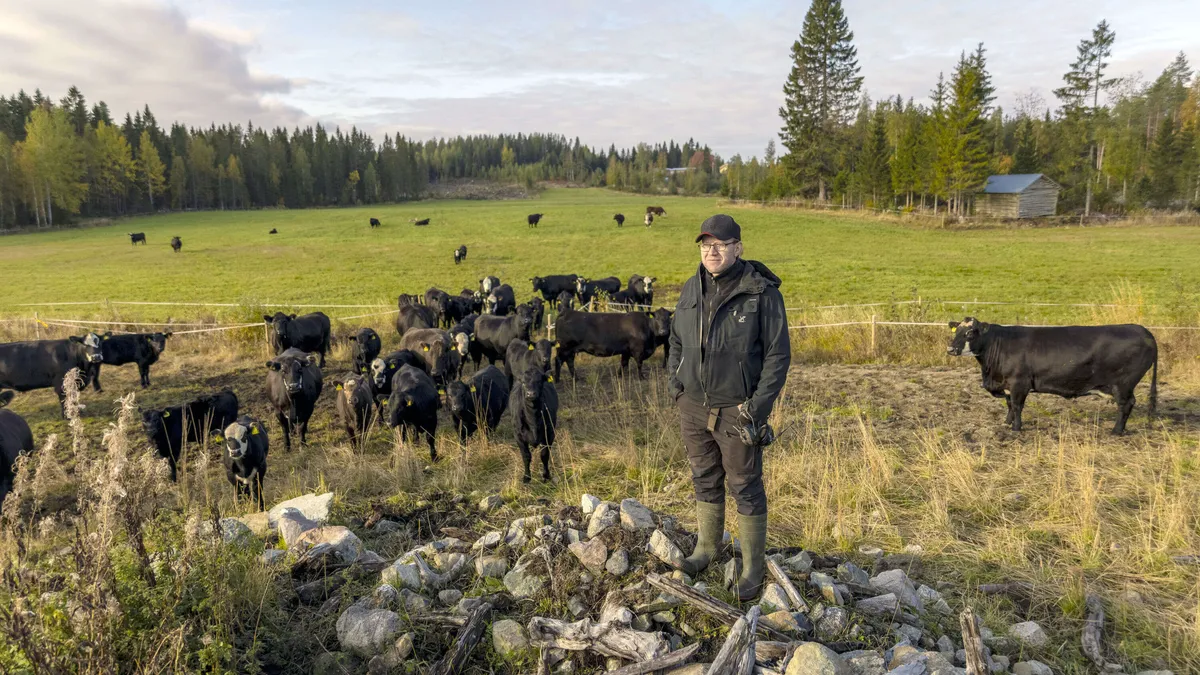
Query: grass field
(905,450)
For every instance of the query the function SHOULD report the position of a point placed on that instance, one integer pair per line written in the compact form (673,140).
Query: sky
(618,71)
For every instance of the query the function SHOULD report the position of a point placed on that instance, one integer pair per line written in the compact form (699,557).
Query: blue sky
(609,72)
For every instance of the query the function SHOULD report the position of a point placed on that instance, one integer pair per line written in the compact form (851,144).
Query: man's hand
(744,417)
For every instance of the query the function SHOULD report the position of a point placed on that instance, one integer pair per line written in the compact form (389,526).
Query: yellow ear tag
(408,404)
(425,348)
(253,431)
(441,392)
(106,337)
(530,347)
(339,387)
(472,389)
(549,378)
(954,329)
(167,414)
(364,370)
(391,366)
(557,345)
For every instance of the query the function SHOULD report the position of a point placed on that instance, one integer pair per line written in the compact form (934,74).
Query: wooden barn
(1019,195)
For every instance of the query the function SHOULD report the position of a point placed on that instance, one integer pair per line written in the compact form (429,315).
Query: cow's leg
(432,447)
(1125,403)
(624,364)
(666,353)
(1017,404)
(526,457)
(144,371)
(546,463)
(172,462)
(96,378)
(258,489)
(287,430)
(558,361)
(1008,418)
(304,433)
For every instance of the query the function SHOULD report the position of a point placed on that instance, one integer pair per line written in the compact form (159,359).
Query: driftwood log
(706,603)
(433,581)
(977,663)
(737,654)
(781,578)
(1009,588)
(455,659)
(675,658)
(1093,631)
(609,638)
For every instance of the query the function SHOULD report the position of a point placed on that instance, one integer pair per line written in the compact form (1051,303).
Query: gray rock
(773,599)
(661,547)
(782,621)
(383,526)
(824,583)
(851,573)
(663,617)
(576,606)
(367,632)
(347,547)
(878,605)
(394,656)
(605,516)
(933,599)
(272,556)
(618,563)
(234,531)
(1029,634)
(635,517)
(640,622)
(488,541)
(415,603)
(574,536)
(913,668)
(450,597)
(516,538)
(1039,668)
(508,637)
(865,662)
(588,503)
(491,566)
(939,664)
(613,610)
(872,551)
(292,523)
(336,663)
(401,575)
(903,654)
(592,553)
(522,582)
(733,570)
(833,622)
(1156,672)
(945,645)
(897,582)
(801,563)
(311,506)
(913,633)
(690,669)
(491,503)
(814,658)
(999,664)
(467,605)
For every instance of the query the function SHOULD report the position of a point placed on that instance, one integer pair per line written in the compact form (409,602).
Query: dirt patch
(477,189)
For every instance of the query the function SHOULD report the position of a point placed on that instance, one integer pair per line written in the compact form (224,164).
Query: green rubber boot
(711,520)
(752,530)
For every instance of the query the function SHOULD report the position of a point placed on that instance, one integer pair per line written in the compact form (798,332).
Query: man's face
(717,255)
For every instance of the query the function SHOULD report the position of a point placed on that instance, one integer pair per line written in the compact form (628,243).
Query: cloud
(134,53)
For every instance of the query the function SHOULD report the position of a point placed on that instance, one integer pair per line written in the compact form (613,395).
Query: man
(730,353)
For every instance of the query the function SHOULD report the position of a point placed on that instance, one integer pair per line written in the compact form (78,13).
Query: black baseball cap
(721,226)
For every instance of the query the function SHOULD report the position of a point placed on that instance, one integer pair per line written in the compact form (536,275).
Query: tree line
(1111,143)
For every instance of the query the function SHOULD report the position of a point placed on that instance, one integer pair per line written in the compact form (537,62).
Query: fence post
(37,325)
(872,335)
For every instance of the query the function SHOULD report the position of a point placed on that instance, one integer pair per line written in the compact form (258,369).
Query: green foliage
(149,168)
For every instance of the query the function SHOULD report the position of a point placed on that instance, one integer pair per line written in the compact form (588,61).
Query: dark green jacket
(747,350)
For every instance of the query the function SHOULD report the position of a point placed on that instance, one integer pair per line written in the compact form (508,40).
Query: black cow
(522,355)
(457,307)
(620,218)
(566,300)
(628,335)
(656,210)
(586,289)
(15,439)
(533,219)
(246,447)
(176,244)
(439,300)
(501,301)
(41,364)
(118,350)
(423,221)
(294,382)
(308,333)
(434,347)
(486,285)
(1067,361)
(649,219)
(273,231)
(383,369)
(623,300)
(135,237)
(660,325)
(539,313)
(554,284)
(375,222)
(414,316)
(206,415)
(493,333)
(642,288)
(534,407)
(474,299)
(484,398)
(413,406)
(365,349)
(356,407)
(463,337)
(460,254)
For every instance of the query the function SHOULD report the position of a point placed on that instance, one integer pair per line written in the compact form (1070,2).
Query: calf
(501,301)
(423,221)
(484,398)
(308,333)
(486,284)
(383,369)
(649,219)
(118,350)
(620,218)
(273,231)
(168,429)
(656,210)
(534,407)
(176,244)
(246,447)
(414,317)
(474,298)
(539,313)
(365,349)
(642,289)
(566,299)
(660,325)
(533,219)
(457,307)
(413,406)
(434,347)
(522,355)
(463,336)
(460,254)
(552,286)
(374,222)
(356,407)
(41,364)
(493,333)
(294,382)
(1067,361)
(15,439)
(627,335)
(135,237)
(439,300)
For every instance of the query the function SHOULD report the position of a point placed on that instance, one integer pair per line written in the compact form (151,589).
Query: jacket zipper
(708,332)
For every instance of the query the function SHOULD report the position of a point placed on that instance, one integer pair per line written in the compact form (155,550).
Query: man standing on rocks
(730,354)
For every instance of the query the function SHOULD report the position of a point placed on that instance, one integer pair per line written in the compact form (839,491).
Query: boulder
(635,517)
(292,523)
(347,547)
(1029,634)
(1039,668)
(814,658)
(588,503)
(491,503)
(897,582)
(878,605)
(782,621)
(592,553)
(508,637)
(367,632)
(618,563)
(522,582)
(773,599)
(259,524)
(311,506)
(801,563)
(605,516)
(663,548)
(491,566)
(832,623)
(401,575)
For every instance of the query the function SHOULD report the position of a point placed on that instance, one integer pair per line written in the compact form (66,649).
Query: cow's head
(962,333)
(486,284)
(158,341)
(565,301)
(293,369)
(581,284)
(524,320)
(91,346)
(437,355)
(6,397)
(462,342)
(353,385)
(458,397)
(537,283)
(382,372)
(544,351)
(279,329)
(237,437)
(648,284)
(405,299)
(153,420)
(533,381)
(490,303)
(660,322)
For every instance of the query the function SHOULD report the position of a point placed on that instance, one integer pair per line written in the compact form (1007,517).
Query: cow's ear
(291,316)
(953,325)
(381,399)
(353,338)
(108,333)
(273,365)
(312,359)
(75,338)
(167,334)
(267,318)
(5,397)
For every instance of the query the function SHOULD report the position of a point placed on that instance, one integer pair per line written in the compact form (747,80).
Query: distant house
(1018,195)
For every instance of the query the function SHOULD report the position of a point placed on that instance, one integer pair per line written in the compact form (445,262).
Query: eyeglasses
(721,248)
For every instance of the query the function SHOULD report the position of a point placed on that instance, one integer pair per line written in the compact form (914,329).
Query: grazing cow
(375,222)
(273,231)
(642,289)
(620,218)
(1067,361)
(294,382)
(365,349)
(413,406)
(553,285)
(460,254)
(522,355)
(539,312)
(208,414)
(246,447)
(423,221)
(41,364)
(176,244)
(308,333)
(15,439)
(660,325)
(414,316)
(474,299)
(484,398)
(118,350)
(434,346)
(501,301)
(533,219)
(493,333)
(486,284)
(463,336)
(628,335)
(384,368)
(656,210)
(649,219)
(356,407)
(534,407)
(135,237)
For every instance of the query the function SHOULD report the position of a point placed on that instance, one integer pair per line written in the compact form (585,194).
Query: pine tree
(1080,98)
(149,167)
(906,165)
(874,161)
(236,182)
(1025,160)
(178,184)
(1166,159)
(963,150)
(821,93)
(370,184)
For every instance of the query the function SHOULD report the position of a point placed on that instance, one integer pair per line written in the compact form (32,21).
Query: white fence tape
(945,324)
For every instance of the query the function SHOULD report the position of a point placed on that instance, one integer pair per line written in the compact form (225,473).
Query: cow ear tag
(530,347)
(408,404)
(472,389)
(339,387)
(441,392)
(425,348)
(106,337)
(364,370)
(549,378)
(167,414)
(253,431)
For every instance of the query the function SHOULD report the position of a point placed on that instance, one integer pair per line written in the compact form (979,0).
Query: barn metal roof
(1011,183)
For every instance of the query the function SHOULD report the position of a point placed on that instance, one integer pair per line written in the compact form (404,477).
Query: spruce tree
(149,167)
(1080,98)
(874,160)
(1025,160)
